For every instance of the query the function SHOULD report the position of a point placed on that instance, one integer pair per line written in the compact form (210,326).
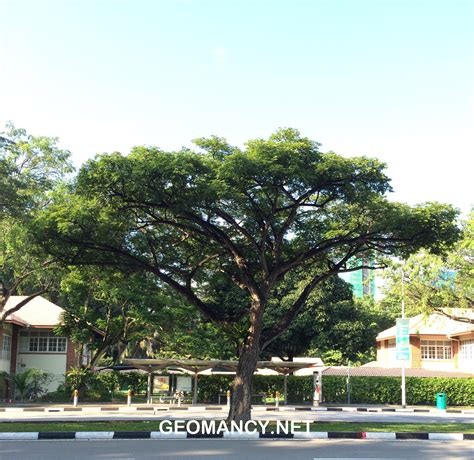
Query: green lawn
(155,425)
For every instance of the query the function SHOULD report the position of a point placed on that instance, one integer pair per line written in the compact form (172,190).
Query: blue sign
(403,339)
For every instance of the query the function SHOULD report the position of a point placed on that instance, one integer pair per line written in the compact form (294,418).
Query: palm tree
(21,383)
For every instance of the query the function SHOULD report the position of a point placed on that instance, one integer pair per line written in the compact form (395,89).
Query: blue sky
(391,79)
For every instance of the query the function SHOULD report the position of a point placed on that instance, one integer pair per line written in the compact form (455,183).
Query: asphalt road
(235,450)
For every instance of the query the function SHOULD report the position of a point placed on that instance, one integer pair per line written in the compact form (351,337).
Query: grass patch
(394,427)
(144,425)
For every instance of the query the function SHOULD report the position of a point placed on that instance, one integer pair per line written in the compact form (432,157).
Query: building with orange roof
(437,342)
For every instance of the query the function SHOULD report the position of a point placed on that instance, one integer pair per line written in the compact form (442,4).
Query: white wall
(438,364)
(5,364)
(53,363)
(5,356)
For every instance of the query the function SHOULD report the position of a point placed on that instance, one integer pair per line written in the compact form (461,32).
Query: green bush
(364,390)
(386,390)
(102,386)
(105,382)
(135,381)
(78,379)
(210,386)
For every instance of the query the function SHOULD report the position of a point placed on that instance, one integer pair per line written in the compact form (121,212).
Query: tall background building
(363,281)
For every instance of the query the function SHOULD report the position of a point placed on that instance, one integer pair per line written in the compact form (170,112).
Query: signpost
(403,342)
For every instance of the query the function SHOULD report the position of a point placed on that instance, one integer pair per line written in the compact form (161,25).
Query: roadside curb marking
(102,435)
(124,409)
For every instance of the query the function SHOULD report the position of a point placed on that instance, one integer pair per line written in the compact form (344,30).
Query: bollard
(76,397)
(228,398)
(316,396)
(317,383)
(129,397)
(277,399)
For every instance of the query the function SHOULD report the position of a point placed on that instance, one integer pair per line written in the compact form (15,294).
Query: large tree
(243,219)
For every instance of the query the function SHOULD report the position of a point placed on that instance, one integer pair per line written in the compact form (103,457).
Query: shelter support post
(195,394)
(148,387)
(285,389)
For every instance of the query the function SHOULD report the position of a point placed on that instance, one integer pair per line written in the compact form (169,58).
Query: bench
(166,399)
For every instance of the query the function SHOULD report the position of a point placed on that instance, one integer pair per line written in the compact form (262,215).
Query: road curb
(123,409)
(244,436)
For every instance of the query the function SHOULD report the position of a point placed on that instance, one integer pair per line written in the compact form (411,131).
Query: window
(41,342)
(5,351)
(435,349)
(467,350)
(7,343)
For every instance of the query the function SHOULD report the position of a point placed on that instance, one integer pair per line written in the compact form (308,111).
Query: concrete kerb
(244,436)
(124,409)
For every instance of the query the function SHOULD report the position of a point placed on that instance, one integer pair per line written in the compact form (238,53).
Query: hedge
(365,390)
(386,390)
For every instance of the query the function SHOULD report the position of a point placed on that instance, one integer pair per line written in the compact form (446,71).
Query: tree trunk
(241,401)
(98,354)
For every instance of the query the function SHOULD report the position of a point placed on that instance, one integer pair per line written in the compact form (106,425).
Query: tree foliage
(440,283)
(30,167)
(115,315)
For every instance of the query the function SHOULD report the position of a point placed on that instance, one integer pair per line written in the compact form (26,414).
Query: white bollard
(129,398)
(76,398)
(277,399)
(228,398)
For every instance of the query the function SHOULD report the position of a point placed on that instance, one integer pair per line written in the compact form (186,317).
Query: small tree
(38,383)
(31,383)
(78,379)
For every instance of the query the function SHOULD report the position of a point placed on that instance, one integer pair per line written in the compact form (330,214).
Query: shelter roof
(373,371)
(197,366)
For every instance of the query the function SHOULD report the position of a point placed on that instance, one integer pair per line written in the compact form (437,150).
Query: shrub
(105,382)
(365,390)
(30,384)
(37,383)
(386,390)
(78,379)
(135,381)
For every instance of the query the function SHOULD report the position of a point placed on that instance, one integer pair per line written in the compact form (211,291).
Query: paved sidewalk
(96,414)
(54,408)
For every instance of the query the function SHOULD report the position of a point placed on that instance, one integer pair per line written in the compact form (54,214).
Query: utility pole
(404,398)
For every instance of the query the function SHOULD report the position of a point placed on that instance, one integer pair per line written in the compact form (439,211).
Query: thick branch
(298,305)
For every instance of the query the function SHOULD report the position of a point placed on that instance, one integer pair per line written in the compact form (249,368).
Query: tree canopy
(245,220)
(435,283)
(30,167)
